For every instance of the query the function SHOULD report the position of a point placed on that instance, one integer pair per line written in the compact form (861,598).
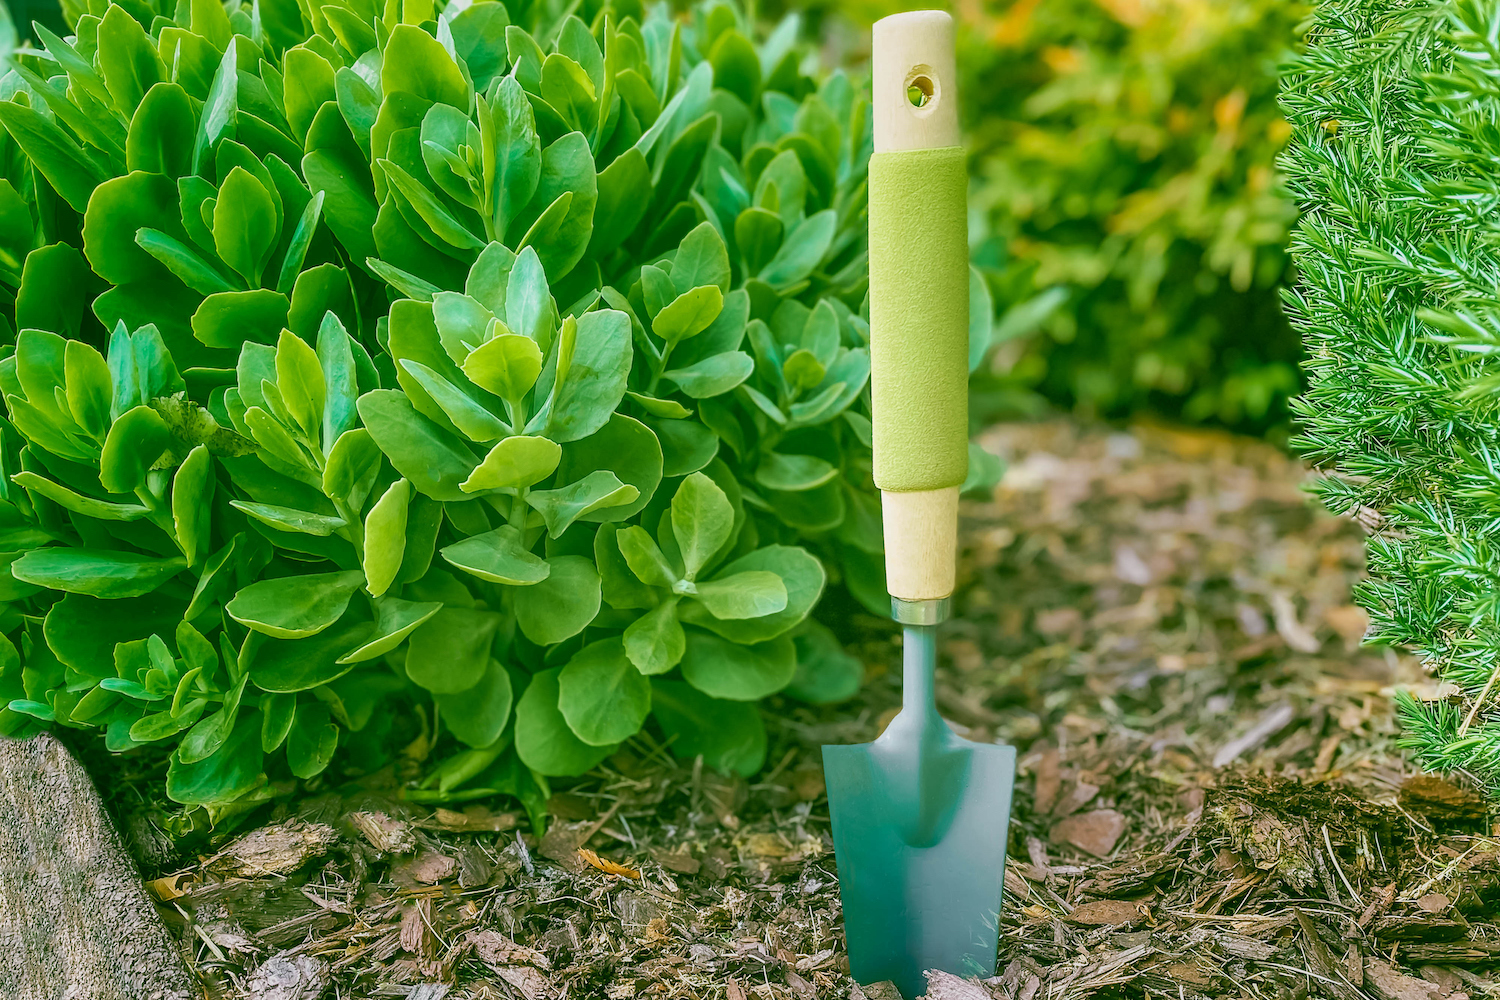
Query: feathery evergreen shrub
(486,359)
(1392,160)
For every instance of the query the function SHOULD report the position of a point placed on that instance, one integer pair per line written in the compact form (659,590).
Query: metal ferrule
(921,612)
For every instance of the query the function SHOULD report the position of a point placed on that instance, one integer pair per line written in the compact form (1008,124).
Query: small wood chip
(1387,983)
(1095,832)
(427,868)
(416,936)
(289,977)
(1048,781)
(274,850)
(497,951)
(801,986)
(1106,912)
(387,835)
(527,981)
(947,986)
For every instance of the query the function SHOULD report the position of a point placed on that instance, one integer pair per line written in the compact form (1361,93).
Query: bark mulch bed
(1210,800)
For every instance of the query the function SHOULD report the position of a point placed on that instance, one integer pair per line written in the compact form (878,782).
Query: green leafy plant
(1392,161)
(499,364)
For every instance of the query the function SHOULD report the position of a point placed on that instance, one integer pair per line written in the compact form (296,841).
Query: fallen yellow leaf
(168,887)
(607,866)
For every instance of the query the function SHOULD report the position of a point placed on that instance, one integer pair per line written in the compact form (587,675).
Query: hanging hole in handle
(922,88)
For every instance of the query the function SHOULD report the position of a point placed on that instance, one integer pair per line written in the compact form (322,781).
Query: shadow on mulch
(1210,802)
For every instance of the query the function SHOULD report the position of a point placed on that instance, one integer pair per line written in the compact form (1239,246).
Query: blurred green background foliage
(1125,203)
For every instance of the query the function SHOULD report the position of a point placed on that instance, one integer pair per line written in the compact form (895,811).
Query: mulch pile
(1210,800)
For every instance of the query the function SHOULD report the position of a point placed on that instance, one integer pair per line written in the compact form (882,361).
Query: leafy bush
(1124,163)
(515,373)
(1393,161)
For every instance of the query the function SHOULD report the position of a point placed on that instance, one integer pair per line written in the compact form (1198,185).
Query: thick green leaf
(597,491)
(645,557)
(395,619)
(473,420)
(560,606)
(451,652)
(799,571)
(702,520)
(220,109)
(713,376)
(515,462)
(624,446)
(512,159)
(702,259)
(307,86)
(192,496)
(793,472)
(721,668)
(385,537)
(655,641)
(544,741)
(591,384)
(160,140)
(567,170)
(136,440)
(184,262)
(417,63)
(621,589)
(803,249)
(70,171)
(117,209)
(312,741)
(289,665)
(352,465)
(689,314)
(624,195)
(303,522)
(826,674)
(601,695)
(294,607)
(477,716)
(229,319)
(433,460)
(498,556)
(231,771)
(728,734)
(246,224)
(299,380)
(127,59)
(751,594)
(205,738)
(104,510)
(507,365)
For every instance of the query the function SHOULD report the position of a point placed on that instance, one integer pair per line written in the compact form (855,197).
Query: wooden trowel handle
(918,301)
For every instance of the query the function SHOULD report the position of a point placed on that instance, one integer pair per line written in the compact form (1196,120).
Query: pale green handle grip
(919,318)
(919,301)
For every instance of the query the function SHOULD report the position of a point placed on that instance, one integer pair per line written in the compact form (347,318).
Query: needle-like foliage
(1393,159)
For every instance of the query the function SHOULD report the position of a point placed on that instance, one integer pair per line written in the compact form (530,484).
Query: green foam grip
(919,318)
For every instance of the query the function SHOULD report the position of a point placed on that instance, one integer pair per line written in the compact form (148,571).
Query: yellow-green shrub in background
(1125,203)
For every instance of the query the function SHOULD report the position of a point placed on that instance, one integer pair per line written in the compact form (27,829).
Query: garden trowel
(920,816)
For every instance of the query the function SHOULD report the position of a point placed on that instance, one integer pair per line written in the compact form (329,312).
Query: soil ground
(1210,801)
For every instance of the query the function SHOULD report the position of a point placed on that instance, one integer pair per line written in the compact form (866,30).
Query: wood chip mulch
(1210,800)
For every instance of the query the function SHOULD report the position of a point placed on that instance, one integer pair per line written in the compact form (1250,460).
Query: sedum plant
(479,366)
(1392,160)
